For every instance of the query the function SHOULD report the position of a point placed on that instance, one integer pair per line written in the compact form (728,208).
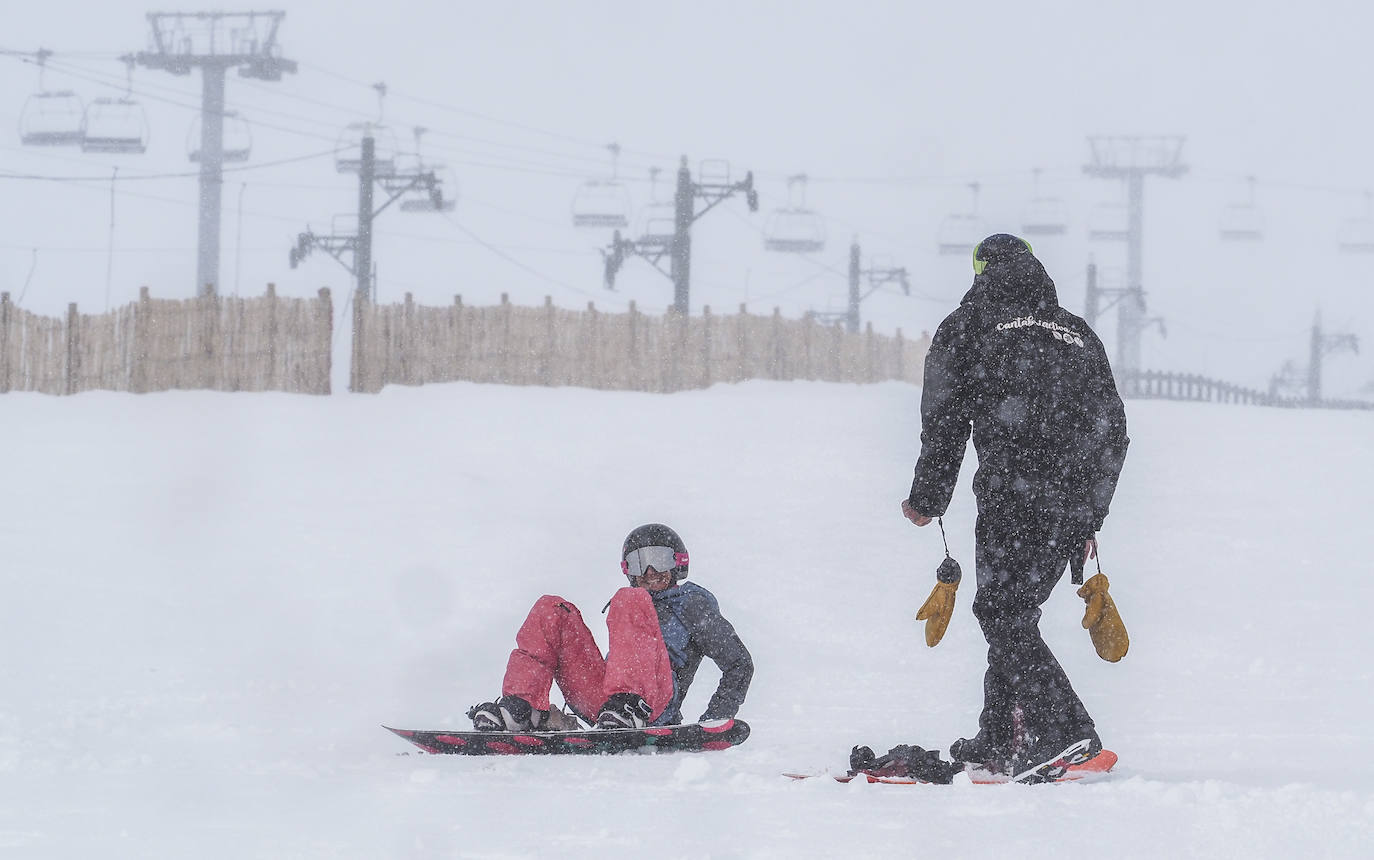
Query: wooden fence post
(505,375)
(674,344)
(139,382)
(210,308)
(458,340)
(271,380)
(870,346)
(742,336)
(899,371)
(70,385)
(706,346)
(325,385)
(404,338)
(776,362)
(588,374)
(4,343)
(631,360)
(836,347)
(550,343)
(357,366)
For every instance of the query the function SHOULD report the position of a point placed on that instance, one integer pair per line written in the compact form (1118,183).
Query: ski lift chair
(601,204)
(1109,223)
(443,198)
(52,119)
(1045,216)
(115,126)
(344,224)
(659,227)
(1240,222)
(960,234)
(237,139)
(1357,236)
(657,223)
(795,231)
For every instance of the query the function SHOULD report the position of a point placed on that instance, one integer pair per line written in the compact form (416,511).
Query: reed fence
(1167,385)
(222,343)
(410,344)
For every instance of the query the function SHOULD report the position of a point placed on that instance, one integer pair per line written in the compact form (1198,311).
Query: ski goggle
(661,558)
(979,265)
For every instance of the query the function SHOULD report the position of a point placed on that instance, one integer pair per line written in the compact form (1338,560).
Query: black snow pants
(1018,565)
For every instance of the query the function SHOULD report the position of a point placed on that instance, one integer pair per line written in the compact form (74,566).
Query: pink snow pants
(555,646)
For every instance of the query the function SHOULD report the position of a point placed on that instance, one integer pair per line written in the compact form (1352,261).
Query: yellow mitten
(936,611)
(1102,621)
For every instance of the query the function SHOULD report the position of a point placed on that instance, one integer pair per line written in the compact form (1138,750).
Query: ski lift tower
(1131,158)
(214,42)
(713,185)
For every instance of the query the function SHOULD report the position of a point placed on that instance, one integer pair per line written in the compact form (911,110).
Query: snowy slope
(212,601)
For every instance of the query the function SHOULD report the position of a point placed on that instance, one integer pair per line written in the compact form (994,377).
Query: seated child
(660,629)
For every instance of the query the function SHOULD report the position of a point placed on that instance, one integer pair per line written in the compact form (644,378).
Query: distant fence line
(410,344)
(222,343)
(1166,385)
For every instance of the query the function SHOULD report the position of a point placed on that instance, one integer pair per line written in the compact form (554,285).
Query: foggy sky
(891,108)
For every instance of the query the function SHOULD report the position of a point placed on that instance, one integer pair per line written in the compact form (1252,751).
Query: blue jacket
(692,626)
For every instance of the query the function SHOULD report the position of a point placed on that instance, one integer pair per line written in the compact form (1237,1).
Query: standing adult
(1033,384)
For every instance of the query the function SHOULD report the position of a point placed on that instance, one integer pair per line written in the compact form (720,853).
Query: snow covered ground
(211,602)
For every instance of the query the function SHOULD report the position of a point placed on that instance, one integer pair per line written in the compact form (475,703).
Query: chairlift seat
(601,203)
(1045,216)
(115,126)
(1109,223)
(960,234)
(659,232)
(1241,222)
(1358,236)
(425,204)
(52,119)
(795,231)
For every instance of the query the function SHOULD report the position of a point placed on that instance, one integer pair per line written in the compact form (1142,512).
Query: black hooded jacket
(1033,383)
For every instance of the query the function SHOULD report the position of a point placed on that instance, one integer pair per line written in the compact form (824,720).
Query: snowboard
(691,737)
(1095,767)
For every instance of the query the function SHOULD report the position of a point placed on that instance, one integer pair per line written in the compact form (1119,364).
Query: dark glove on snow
(904,761)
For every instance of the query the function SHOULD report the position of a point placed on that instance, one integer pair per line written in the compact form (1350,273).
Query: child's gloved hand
(1102,621)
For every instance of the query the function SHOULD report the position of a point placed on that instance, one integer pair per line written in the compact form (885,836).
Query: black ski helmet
(654,535)
(997,248)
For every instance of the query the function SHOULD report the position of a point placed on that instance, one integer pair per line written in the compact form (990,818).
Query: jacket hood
(1021,281)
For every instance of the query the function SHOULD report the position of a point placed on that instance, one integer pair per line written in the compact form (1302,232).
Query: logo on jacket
(1059,332)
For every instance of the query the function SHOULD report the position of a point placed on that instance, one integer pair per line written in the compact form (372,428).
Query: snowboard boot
(506,714)
(979,753)
(1048,761)
(624,711)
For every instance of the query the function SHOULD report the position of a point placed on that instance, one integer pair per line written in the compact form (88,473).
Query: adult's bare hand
(914,515)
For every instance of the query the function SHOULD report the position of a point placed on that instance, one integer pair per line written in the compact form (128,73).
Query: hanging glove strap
(939,607)
(1077,562)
